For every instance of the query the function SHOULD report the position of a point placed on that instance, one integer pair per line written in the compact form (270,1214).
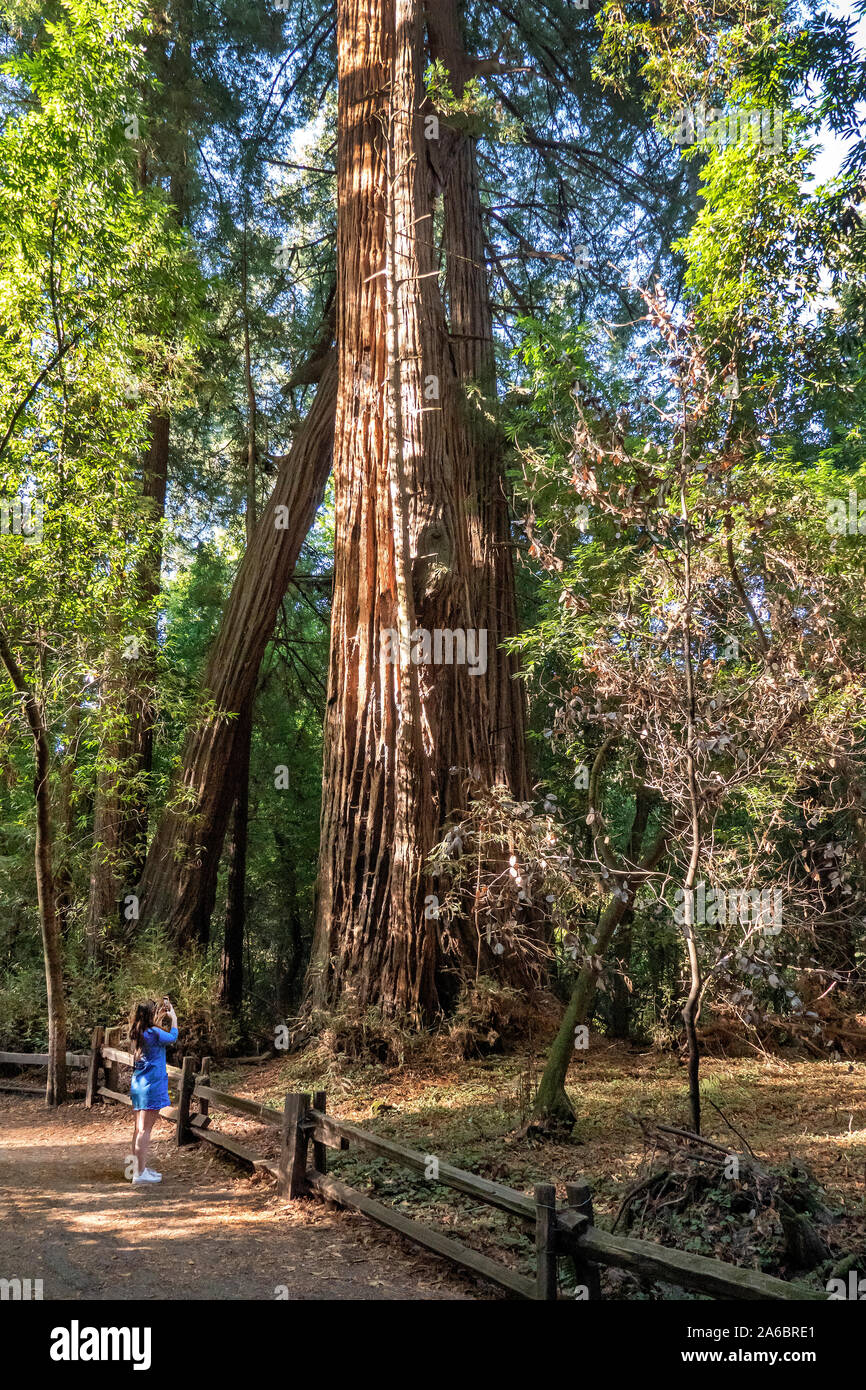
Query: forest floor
(212,1231)
(472,1113)
(208,1230)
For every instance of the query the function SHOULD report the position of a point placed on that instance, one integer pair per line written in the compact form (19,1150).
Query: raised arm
(166,1038)
(170,1036)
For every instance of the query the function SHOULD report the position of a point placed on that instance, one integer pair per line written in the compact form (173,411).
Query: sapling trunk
(552,1109)
(46,890)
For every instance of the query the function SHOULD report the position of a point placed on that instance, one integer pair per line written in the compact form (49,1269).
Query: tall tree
(82,246)
(415,549)
(163,144)
(46,882)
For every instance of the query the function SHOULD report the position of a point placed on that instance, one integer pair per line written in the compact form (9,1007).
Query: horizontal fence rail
(127,1059)
(698,1273)
(223,1100)
(74,1061)
(41,1059)
(328,1186)
(567,1232)
(493,1193)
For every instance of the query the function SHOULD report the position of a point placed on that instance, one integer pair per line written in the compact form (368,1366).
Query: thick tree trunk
(373,943)
(232,961)
(404,736)
(178,884)
(489,744)
(46,892)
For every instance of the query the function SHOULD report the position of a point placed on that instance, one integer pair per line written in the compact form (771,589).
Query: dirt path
(208,1231)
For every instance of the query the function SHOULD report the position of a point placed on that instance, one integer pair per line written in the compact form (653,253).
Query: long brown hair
(140,1019)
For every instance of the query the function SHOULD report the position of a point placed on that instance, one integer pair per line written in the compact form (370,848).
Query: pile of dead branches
(824,1031)
(697,1194)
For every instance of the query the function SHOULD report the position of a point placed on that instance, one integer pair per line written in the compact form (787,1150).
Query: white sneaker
(154,1174)
(145,1178)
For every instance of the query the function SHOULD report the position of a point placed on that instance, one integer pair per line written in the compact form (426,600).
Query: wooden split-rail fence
(307,1132)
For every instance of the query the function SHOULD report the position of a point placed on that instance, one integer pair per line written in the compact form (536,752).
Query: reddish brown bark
(372,941)
(416,542)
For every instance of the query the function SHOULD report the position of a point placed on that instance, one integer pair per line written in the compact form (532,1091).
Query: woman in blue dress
(149,1088)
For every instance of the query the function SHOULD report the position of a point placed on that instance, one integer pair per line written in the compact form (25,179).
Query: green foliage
(105,993)
(475,112)
(93,273)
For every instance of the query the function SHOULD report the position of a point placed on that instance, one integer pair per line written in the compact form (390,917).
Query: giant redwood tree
(445,253)
(421,532)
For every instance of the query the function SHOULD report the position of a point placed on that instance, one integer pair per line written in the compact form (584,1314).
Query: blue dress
(149,1088)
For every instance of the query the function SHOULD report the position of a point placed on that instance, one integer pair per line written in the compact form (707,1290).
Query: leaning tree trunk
(404,736)
(46,891)
(552,1110)
(178,885)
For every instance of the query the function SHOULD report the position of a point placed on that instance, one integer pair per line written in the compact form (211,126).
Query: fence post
(579,1198)
(293,1149)
(320,1151)
(187,1083)
(204,1079)
(545,1241)
(93,1066)
(112,1071)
